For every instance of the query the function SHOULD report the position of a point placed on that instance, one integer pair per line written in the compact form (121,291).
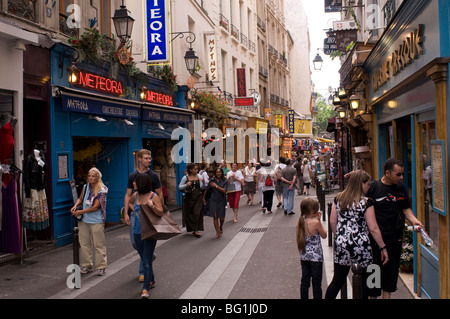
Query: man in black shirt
(391,207)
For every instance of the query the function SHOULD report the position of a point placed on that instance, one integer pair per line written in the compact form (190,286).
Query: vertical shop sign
(241,83)
(291,122)
(213,71)
(279,120)
(156,31)
(438,177)
(268,114)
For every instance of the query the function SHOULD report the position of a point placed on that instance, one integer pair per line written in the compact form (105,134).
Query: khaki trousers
(92,234)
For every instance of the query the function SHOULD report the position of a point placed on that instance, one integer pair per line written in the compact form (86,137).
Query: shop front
(409,99)
(94,125)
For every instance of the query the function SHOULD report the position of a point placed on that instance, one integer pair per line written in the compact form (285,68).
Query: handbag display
(157,227)
(231,187)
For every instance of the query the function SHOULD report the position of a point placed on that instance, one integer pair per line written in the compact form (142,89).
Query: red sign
(159,98)
(99,83)
(244,101)
(241,83)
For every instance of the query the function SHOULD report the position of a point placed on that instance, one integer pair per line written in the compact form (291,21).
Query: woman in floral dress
(352,218)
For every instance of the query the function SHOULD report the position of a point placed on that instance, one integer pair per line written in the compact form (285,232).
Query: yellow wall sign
(279,120)
(261,127)
(303,126)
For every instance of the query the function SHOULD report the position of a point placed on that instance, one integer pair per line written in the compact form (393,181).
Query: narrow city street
(255,259)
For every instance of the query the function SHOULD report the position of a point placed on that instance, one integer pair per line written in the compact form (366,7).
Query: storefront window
(431,222)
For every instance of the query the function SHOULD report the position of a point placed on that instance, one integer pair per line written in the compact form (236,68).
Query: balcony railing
(263,71)
(224,22)
(235,32)
(261,24)
(252,46)
(23,8)
(244,40)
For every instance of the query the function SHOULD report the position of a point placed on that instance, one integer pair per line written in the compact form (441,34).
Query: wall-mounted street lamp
(342,112)
(355,101)
(123,23)
(143,93)
(73,72)
(342,94)
(190,58)
(336,99)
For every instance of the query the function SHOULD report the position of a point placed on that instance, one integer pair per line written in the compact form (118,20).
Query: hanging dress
(10,233)
(6,142)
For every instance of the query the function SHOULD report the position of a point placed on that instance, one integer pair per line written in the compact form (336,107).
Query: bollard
(357,281)
(76,246)
(330,233)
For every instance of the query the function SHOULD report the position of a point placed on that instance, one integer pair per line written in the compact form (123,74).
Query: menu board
(438,176)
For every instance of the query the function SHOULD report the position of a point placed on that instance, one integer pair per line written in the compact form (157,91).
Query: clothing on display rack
(10,232)
(35,212)
(6,137)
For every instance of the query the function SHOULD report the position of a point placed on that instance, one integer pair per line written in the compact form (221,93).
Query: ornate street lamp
(190,58)
(318,61)
(354,102)
(73,72)
(123,23)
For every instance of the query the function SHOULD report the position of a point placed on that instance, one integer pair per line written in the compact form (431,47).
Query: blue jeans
(141,265)
(288,198)
(145,249)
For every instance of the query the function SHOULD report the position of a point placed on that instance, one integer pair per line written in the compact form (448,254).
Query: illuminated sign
(158,98)
(241,83)
(99,83)
(291,122)
(156,31)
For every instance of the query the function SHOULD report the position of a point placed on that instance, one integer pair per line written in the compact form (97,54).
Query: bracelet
(384,247)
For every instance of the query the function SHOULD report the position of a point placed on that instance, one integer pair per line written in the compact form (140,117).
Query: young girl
(309,231)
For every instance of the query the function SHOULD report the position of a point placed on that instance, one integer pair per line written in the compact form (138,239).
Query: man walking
(391,203)
(288,177)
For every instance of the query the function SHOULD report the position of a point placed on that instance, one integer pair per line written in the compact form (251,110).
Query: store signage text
(159,98)
(213,70)
(168,117)
(410,49)
(99,83)
(157,31)
(244,101)
(98,107)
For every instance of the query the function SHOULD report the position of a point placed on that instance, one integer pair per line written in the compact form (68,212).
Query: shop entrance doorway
(109,155)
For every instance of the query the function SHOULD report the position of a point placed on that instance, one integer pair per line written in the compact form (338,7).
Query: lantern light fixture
(318,62)
(123,23)
(73,72)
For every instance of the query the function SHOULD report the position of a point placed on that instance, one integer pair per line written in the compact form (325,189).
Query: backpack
(268,181)
(278,174)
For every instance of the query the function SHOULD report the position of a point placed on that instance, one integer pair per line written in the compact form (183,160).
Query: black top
(34,175)
(389,203)
(156,183)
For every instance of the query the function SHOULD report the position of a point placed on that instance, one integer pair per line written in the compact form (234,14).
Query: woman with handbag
(217,200)
(235,181)
(92,226)
(146,247)
(250,182)
(192,185)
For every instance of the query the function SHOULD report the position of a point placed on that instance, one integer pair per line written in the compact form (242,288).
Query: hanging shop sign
(261,127)
(213,70)
(333,6)
(98,83)
(329,44)
(407,52)
(159,98)
(81,104)
(152,115)
(291,122)
(156,31)
(268,114)
(241,83)
(303,127)
(244,101)
(279,120)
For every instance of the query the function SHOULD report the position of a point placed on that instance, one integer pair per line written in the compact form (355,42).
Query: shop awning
(324,140)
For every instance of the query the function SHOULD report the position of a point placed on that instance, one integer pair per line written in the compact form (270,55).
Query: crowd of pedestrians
(366,220)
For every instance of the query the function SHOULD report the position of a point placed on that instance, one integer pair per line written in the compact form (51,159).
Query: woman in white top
(306,169)
(235,177)
(250,183)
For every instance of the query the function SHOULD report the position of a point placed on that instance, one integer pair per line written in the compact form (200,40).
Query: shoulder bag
(157,227)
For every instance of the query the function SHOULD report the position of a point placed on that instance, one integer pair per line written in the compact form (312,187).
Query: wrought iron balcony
(252,46)
(64,28)
(235,32)
(244,40)
(25,9)
(224,22)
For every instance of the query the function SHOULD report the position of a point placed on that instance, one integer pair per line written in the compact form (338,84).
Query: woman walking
(192,185)
(249,182)
(217,200)
(352,218)
(92,225)
(268,186)
(146,247)
(306,170)
(235,177)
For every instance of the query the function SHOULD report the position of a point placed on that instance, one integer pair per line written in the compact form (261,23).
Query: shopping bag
(157,227)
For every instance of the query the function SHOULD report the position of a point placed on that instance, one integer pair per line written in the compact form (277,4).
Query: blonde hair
(354,191)
(143,152)
(99,186)
(307,206)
